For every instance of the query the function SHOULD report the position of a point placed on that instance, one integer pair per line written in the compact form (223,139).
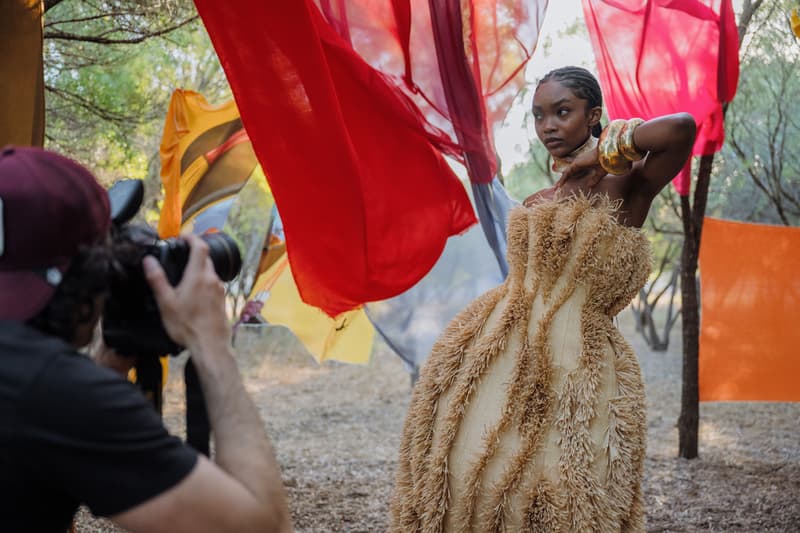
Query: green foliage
(530,176)
(110,68)
(756,177)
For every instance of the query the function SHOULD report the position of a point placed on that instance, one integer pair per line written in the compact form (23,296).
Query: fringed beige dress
(530,413)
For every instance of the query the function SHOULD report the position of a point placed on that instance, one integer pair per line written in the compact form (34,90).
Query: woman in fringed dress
(529,414)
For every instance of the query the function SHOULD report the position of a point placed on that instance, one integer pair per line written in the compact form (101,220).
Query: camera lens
(224,254)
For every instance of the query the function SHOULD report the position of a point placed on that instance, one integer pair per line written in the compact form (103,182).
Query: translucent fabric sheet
(656,57)
(346,338)
(493,204)
(411,322)
(365,195)
(459,61)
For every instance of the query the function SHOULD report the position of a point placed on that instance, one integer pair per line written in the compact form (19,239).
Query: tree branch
(109,14)
(748,9)
(749,167)
(91,107)
(101,39)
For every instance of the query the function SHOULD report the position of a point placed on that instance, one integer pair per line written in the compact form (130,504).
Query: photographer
(73,432)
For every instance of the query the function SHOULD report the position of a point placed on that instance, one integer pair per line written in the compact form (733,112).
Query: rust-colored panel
(21,73)
(749,335)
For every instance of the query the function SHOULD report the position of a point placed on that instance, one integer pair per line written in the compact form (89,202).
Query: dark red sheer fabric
(664,56)
(350,105)
(460,61)
(366,200)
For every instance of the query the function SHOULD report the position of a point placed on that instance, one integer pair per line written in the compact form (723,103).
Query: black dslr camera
(131,321)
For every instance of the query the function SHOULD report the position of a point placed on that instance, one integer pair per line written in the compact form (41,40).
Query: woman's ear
(594,114)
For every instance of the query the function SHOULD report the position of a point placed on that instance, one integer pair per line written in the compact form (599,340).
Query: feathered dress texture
(530,413)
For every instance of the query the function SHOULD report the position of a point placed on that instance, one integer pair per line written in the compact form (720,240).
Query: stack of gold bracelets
(616,149)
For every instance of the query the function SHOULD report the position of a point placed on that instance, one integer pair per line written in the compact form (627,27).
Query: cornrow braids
(582,83)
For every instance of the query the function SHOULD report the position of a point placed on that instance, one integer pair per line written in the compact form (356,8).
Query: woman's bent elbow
(685,127)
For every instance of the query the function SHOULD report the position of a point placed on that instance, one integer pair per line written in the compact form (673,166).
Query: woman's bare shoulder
(539,196)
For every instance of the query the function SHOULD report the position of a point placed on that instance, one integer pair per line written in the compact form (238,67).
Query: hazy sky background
(553,51)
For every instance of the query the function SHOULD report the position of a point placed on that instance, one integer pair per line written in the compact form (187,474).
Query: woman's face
(563,121)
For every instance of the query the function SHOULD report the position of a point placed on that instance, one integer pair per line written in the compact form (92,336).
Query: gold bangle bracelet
(626,145)
(608,152)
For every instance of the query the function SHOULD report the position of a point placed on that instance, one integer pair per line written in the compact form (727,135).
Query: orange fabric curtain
(196,168)
(750,294)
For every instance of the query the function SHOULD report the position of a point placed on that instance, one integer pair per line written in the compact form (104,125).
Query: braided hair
(582,83)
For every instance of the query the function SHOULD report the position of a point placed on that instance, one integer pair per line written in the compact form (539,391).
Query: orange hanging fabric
(750,293)
(205,157)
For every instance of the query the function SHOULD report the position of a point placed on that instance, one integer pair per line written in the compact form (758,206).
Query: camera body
(132,323)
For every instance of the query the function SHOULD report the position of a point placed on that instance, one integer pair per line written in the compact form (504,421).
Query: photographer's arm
(243,491)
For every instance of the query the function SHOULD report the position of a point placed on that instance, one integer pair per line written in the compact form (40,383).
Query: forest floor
(336,430)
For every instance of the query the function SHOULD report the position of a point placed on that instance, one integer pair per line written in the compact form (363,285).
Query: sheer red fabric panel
(460,61)
(366,198)
(664,56)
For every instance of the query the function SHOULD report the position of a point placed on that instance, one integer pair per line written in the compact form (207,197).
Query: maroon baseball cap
(50,206)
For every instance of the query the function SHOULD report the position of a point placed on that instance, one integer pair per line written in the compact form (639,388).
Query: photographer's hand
(193,313)
(244,490)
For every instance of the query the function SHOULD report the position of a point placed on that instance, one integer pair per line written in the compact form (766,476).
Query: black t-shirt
(71,433)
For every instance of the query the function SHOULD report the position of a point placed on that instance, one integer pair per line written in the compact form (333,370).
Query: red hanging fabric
(459,61)
(664,56)
(366,199)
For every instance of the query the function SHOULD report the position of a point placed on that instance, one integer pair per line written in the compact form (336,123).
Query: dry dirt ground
(336,430)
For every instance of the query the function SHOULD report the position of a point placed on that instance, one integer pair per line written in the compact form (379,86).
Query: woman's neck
(560,164)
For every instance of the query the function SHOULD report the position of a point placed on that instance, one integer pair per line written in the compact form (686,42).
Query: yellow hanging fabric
(347,338)
(194,130)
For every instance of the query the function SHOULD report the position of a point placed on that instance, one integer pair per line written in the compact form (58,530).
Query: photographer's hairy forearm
(242,447)
(244,492)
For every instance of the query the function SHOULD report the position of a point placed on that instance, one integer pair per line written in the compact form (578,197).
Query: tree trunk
(692,217)
(690,322)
